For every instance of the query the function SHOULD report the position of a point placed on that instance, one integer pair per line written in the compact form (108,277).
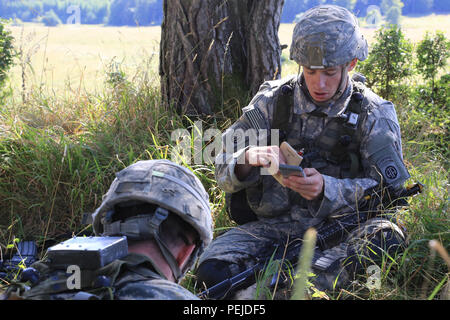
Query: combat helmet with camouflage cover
(166,188)
(327,36)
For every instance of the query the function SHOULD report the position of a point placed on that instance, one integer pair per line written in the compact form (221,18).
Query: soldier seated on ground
(351,143)
(163,210)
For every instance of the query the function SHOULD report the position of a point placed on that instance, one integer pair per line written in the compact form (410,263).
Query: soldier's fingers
(310,171)
(270,153)
(275,154)
(307,192)
(312,188)
(261,158)
(308,189)
(256,157)
(300,181)
(295,185)
(281,157)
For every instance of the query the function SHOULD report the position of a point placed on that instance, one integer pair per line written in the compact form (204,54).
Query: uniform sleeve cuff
(322,208)
(253,176)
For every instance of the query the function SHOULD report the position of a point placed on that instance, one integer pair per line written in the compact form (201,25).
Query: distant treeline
(149,12)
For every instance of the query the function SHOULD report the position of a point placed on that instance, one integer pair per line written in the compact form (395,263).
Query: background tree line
(91,12)
(150,12)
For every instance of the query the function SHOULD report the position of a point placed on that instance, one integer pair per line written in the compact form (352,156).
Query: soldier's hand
(264,156)
(310,187)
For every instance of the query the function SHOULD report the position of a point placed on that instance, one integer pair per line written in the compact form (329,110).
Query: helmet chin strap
(340,90)
(170,259)
(146,226)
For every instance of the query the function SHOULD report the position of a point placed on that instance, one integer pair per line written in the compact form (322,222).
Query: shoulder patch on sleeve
(256,118)
(390,165)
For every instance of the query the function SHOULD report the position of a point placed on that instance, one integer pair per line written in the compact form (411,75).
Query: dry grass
(77,57)
(60,150)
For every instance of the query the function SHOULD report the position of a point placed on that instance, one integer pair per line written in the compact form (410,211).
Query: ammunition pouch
(238,209)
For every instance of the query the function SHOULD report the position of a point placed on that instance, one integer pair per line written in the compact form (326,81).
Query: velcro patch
(131,186)
(392,167)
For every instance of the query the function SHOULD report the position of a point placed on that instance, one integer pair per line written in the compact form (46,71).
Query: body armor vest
(335,149)
(338,144)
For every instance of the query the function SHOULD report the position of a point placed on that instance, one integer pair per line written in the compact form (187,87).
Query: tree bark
(209,46)
(263,43)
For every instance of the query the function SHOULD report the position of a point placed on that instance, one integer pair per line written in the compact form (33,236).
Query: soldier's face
(322,83)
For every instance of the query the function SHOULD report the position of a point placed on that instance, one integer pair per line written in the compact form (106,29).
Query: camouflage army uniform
(326,36)
(282,213)
(380,130)
(142,283)
(134,277)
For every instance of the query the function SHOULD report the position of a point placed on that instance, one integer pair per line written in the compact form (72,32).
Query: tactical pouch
(26,253)
(238,209)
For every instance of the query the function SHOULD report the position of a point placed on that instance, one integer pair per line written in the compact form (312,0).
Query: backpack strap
(283,107)
(284,95)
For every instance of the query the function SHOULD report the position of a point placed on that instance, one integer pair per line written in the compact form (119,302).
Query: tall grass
(59,154)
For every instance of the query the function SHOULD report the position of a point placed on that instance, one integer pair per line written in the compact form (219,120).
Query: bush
(392,9)
(433,108)
(373,17)
(432,54)
(389,61)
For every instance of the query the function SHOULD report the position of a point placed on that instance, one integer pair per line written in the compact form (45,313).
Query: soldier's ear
(352,64)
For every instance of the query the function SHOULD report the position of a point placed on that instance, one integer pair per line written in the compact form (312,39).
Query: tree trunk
(213,49)
(263,43)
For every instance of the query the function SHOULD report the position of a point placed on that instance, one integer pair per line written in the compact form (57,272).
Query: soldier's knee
(213,271)
(370,248)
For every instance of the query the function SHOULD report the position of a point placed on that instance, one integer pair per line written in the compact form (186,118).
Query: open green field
(78,57)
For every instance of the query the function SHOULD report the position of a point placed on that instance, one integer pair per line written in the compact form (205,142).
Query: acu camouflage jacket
(380,153)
